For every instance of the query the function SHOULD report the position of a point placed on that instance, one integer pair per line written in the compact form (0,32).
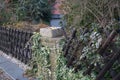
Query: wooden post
(67,46)
(107,42)
(108,65)
(117,77)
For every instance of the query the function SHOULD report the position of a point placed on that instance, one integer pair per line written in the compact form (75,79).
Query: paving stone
(12,69)
(2,59)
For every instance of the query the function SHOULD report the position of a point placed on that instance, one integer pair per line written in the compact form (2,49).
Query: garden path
(11,68)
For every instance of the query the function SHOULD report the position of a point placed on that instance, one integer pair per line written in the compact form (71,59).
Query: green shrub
(4,18)
(37,10)
(62,72)
(40,59)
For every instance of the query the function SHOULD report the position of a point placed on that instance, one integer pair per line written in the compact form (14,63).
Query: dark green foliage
(35,10)
(25,10)
(4,17)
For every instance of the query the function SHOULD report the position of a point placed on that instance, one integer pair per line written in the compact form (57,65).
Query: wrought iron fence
(13,42)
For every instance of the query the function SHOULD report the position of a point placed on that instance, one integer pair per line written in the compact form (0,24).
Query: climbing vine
(40,58)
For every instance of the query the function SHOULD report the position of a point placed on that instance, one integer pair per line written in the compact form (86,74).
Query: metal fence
(13,42)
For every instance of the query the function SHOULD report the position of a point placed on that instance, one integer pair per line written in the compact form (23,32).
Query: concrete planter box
(51,32)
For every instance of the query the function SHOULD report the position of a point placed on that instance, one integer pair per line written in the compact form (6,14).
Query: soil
(27,26)
(4,76)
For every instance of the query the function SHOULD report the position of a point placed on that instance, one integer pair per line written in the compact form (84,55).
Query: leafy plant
(5,13)
(65,73)
(4,17)
(41,64)
(37,10)
(40,58)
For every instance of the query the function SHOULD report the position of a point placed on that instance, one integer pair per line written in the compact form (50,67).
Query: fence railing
(13,42)
(109,67)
